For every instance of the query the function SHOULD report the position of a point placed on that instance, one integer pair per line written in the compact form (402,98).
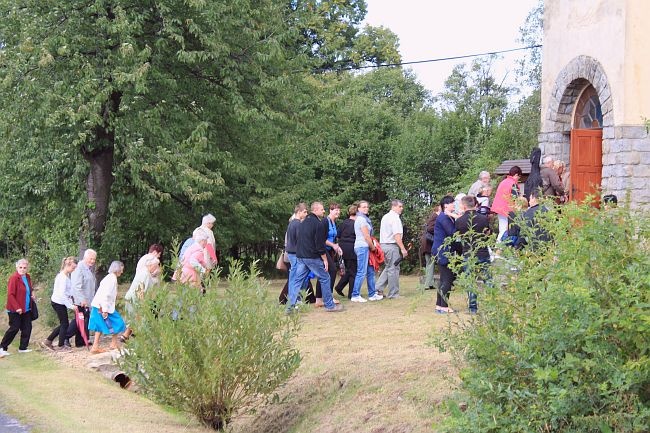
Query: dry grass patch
(367,369)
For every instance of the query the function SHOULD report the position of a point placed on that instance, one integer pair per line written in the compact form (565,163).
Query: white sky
(429,29)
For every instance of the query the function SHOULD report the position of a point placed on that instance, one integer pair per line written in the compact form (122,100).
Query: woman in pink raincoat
(194,262)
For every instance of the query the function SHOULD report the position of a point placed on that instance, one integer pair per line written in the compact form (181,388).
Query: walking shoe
(376,297)
(24,350)
(64,349)
(358,299)
(48,344)
(4,353)
(395,296)
(66,343)
(336,309)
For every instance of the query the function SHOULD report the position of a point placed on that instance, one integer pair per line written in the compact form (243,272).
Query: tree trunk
(98,191)
(100,176)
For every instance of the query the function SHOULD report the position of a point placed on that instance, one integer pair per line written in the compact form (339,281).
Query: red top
(503,197)
(16,292)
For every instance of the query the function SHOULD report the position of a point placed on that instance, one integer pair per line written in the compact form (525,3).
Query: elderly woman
(143,280)
(207,223)
(19,297)
(155,252)
(560,168)
(194,262)
(104,318)
(62,301)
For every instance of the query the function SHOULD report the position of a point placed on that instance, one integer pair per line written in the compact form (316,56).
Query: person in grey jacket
(84,285)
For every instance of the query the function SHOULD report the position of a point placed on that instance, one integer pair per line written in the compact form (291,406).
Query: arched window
(588,114)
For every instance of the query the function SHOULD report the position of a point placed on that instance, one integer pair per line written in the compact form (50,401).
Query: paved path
(10,425)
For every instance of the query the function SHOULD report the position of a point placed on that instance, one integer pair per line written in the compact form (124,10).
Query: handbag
(33,308)
(340,263)
(281,264)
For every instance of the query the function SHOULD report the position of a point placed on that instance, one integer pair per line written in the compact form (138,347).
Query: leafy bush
(213,354)
(562,341)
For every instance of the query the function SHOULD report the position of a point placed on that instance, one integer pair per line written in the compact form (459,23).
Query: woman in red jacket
(19,296)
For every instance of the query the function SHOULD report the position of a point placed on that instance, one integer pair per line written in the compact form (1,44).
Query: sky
(430,29)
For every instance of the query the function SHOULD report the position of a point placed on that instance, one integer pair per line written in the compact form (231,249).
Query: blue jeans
(292,273)
(363,271)
(303,266)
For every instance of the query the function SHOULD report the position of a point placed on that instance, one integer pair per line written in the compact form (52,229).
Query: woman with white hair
(19,298)
(207,223)
(104,318)
(194,262)
(143,280)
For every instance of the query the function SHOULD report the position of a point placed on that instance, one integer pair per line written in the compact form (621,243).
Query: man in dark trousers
(474,229)
(311,256)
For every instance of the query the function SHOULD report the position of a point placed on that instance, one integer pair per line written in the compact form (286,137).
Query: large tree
(121,119)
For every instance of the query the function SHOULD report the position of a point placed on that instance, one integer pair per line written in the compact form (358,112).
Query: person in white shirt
(104,318)
(62,302)
(143,280)
(390,238)
(155,251)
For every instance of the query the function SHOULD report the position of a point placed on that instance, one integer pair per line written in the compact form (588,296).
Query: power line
(440,59)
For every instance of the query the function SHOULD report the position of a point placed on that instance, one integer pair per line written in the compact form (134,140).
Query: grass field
(367,369)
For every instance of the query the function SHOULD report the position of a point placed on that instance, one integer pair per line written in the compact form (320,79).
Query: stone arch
(571,81)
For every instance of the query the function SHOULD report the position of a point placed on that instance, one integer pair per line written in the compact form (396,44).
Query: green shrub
(562,341)
(214,354)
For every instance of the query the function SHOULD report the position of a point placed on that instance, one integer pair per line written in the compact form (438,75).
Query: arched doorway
(586,159)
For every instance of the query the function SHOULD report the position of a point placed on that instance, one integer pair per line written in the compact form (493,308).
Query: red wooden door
(586,163)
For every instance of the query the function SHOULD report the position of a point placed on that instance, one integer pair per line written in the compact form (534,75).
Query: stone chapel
(596,96)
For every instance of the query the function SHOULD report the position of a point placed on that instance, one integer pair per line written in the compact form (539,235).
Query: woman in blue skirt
(104,319)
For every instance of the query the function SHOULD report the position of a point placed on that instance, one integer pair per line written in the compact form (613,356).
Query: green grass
(367,369)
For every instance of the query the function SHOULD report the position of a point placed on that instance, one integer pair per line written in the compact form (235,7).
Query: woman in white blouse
(104,318)
(62,301)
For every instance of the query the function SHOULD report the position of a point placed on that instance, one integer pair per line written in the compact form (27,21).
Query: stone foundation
(626,161)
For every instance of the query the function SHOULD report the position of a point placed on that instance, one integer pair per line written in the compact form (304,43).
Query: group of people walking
(315,245)
(93,306)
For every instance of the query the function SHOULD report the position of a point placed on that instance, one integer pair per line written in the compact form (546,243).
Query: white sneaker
(376,297)
(4,353)
(24,350)
(358,299)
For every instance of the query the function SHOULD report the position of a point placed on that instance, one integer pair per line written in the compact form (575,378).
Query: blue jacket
(443,229)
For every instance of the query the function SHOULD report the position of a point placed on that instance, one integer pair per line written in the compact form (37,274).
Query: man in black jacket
(474,229)
(534,233)
(311,256)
